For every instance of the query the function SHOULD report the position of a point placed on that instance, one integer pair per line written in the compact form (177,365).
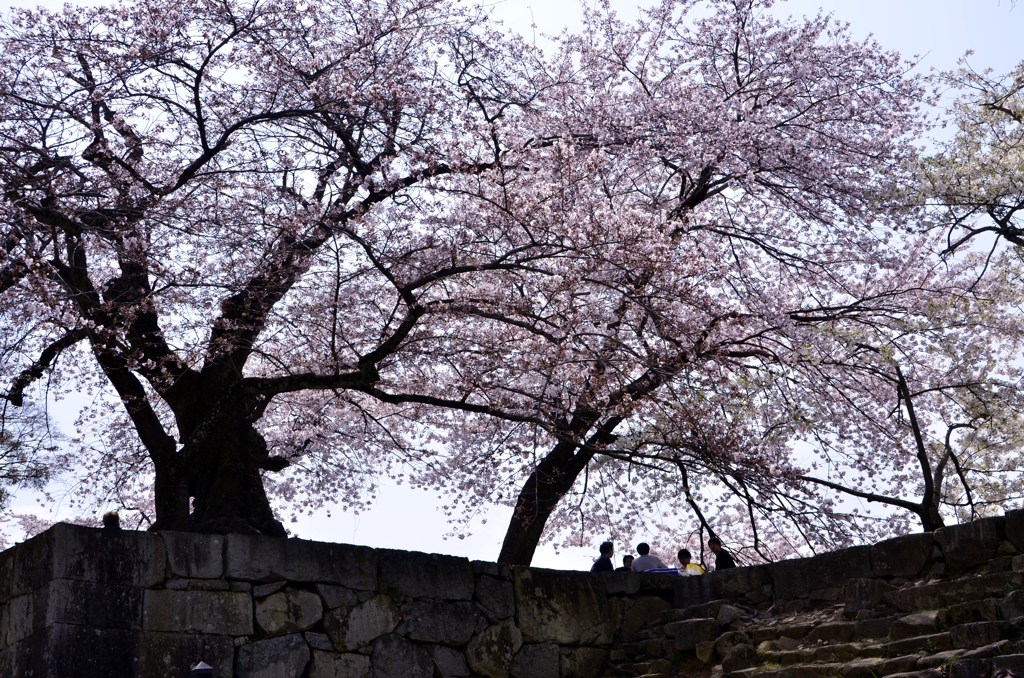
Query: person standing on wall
(604,563)
(723,559)
(645,561)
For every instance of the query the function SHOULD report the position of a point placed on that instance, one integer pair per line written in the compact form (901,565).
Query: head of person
(684,557)
(627,561)
(111,520)
(643,548)
(607,549)
(715,544)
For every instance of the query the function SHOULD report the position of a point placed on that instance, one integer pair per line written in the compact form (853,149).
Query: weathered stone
(920,624)
(1001,563)
(692,631)
(443,622)
(562,607)
(495,596)
(987,609)
(706,652)
(264,590)
(76,602)
(281,657)
(905,556)
(761,594)
(266,559)
(318,641)
(215,612)
(798,630)
(796,578)
(448,662)
(978,633)
(583,662)
(162,655)
(86,554)
(865,594)
(832,632)
(873,628)
(727,641)
(740,657)
(7,575)
(492,651)
(991,650)
(862,668)
(499,570)
(339,665)
(194,555)
(624,583)
(936,642)
(938,660)
(968,668)
(727,614)
(75,650)
(536,661)
(336,596)
(393,656)
(972,543)
(289,612)
(640,613)
(425,575)
(738,581)
(1014,527)
(1013,605)
(690,591)
(788,644)
(351,629)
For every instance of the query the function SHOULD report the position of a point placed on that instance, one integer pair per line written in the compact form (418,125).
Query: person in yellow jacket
(685,566)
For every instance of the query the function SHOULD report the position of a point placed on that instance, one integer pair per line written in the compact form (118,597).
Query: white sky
(938,31)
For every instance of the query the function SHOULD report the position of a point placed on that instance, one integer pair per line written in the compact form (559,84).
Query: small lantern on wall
(202,670)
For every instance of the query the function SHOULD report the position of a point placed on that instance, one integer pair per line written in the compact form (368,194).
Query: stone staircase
(967,625)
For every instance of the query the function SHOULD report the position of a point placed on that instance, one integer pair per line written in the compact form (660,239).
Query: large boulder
(425,575)
(905,556)
(395,656)
(352,628)
(583,662)
(970,544)
(688,633)
(281,657)
(86,554)
(217,612)
(537,661)
(445,623)
(269,559)
(1014,528)
(448,663)
(162,655)
(194,555)
(288,612)
(492,651)
(339,665)
(562,607)
(640,613)
(495,596)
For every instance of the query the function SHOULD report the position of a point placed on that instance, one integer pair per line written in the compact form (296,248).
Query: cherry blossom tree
(299,246)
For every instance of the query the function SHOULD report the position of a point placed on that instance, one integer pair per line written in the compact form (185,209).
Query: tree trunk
(224,478)
(549,482)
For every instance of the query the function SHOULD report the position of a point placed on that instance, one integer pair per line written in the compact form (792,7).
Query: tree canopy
(299,245)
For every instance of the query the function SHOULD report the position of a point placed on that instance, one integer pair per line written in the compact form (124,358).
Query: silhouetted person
(645,561)
(723,559)
(685,566)
(111,521)
(604,563)
(627,561)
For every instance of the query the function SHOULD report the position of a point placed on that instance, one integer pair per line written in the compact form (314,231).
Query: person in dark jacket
(723,559)
(604,563)
(627,564)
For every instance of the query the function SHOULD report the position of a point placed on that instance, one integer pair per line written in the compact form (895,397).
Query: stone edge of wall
(143,603)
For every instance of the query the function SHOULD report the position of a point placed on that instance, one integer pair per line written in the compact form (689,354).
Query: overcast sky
(939,32)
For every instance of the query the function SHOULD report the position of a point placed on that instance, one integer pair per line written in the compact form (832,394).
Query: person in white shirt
(645,561)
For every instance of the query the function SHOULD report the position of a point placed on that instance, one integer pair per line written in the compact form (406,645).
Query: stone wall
(83,602)
(87,603)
